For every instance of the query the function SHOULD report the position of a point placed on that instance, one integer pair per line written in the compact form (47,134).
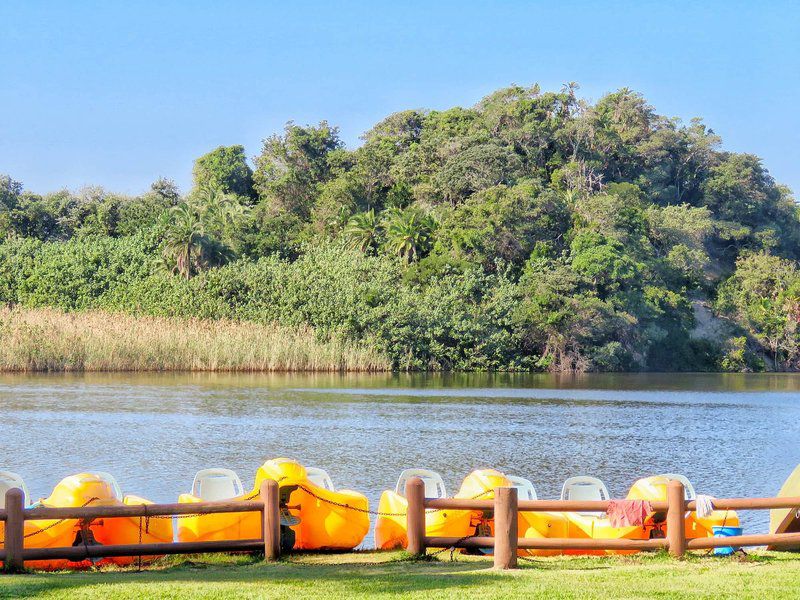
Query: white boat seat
(320,478)
(434,484)
(216,484)
(687,485)
(110,481)
(584,487)
(9,481)
(525,488)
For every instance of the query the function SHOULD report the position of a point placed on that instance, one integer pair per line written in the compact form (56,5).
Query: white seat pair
(434,484)
(584,487)
(222,484)
(591,488)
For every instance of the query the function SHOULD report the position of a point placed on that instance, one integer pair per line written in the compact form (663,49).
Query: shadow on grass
(392,576)
(344,575)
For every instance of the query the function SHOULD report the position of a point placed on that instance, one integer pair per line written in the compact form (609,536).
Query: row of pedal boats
(315,515)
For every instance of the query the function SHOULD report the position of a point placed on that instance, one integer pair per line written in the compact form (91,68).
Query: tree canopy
(534,230)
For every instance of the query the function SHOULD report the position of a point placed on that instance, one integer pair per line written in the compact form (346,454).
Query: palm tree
(363,231)
(218,211)
(183,240)
(408,232)
(192,237)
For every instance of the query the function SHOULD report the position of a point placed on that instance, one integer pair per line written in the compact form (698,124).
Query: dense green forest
(533,231)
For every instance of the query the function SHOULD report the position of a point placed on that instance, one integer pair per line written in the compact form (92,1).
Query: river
(732,435)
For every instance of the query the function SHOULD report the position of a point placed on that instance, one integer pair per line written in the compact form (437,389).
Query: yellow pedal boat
(86,489)
(654,488)
(314,515)
(597,525)
(390,528)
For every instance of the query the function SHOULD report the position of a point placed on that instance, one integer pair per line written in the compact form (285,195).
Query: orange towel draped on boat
(628,513)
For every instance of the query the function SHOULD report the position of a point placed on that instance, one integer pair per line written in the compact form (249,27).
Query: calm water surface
(732,435)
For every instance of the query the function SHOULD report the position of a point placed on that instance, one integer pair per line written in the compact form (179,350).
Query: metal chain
(53,524)
(249,498)
(377,512)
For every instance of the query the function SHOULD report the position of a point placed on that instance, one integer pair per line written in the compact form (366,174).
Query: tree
(408,232)
(225,168)
(477,168)
(502,223)
(166,189)
(291,166)
(363,231)
(196,235)
(763,295)
(10,191)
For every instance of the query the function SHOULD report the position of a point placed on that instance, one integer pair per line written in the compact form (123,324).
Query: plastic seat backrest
(584,487)
(687,485)
(525,488)
(320,478)
(111,481)
(434,484)
(216,484)
(9,481)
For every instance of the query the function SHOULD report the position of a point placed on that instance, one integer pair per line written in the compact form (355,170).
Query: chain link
(377,512)
(55,523)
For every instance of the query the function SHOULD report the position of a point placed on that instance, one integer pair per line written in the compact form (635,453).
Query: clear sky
(119,93)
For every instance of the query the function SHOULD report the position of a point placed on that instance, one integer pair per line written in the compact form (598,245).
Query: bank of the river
(763,575)
(52,340)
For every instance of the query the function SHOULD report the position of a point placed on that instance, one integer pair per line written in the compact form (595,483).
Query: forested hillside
(532,231)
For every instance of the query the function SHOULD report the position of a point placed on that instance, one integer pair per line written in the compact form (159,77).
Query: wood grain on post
(676,519)
(270,495)
(415,516)
(505,527)
(15,530)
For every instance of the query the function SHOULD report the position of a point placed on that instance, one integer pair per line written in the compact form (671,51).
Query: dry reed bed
(52,340)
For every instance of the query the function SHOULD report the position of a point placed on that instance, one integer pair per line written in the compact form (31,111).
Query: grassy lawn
(763,575)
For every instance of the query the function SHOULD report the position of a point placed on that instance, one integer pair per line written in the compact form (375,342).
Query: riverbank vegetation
(532,231)
(369,574)
(52,340)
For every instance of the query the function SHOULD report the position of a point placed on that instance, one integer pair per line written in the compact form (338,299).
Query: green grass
(368,574)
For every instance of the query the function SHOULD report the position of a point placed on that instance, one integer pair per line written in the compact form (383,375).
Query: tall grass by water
(52,340)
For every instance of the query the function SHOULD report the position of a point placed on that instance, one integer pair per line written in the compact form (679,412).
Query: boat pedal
(288,519)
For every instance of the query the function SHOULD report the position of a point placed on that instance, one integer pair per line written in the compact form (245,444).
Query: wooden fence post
(15,530)
(676,519)
(270,495)
(415,516)
(505,527)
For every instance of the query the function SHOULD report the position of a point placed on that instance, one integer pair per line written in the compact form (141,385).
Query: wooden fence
(505,542)
(14,552)
(506,507)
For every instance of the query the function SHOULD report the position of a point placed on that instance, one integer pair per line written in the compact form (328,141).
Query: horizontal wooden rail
(79,553)
(750,503)
(777,540)
(14,553)
(530,505)
(45,513)
(591,544)
(549,543)
(455,542)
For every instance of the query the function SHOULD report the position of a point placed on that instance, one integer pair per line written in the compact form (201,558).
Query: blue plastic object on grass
(725,532)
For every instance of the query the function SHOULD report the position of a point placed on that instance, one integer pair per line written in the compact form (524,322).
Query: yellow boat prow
(785,520)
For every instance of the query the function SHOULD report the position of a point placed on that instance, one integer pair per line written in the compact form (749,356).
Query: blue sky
(119,93)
